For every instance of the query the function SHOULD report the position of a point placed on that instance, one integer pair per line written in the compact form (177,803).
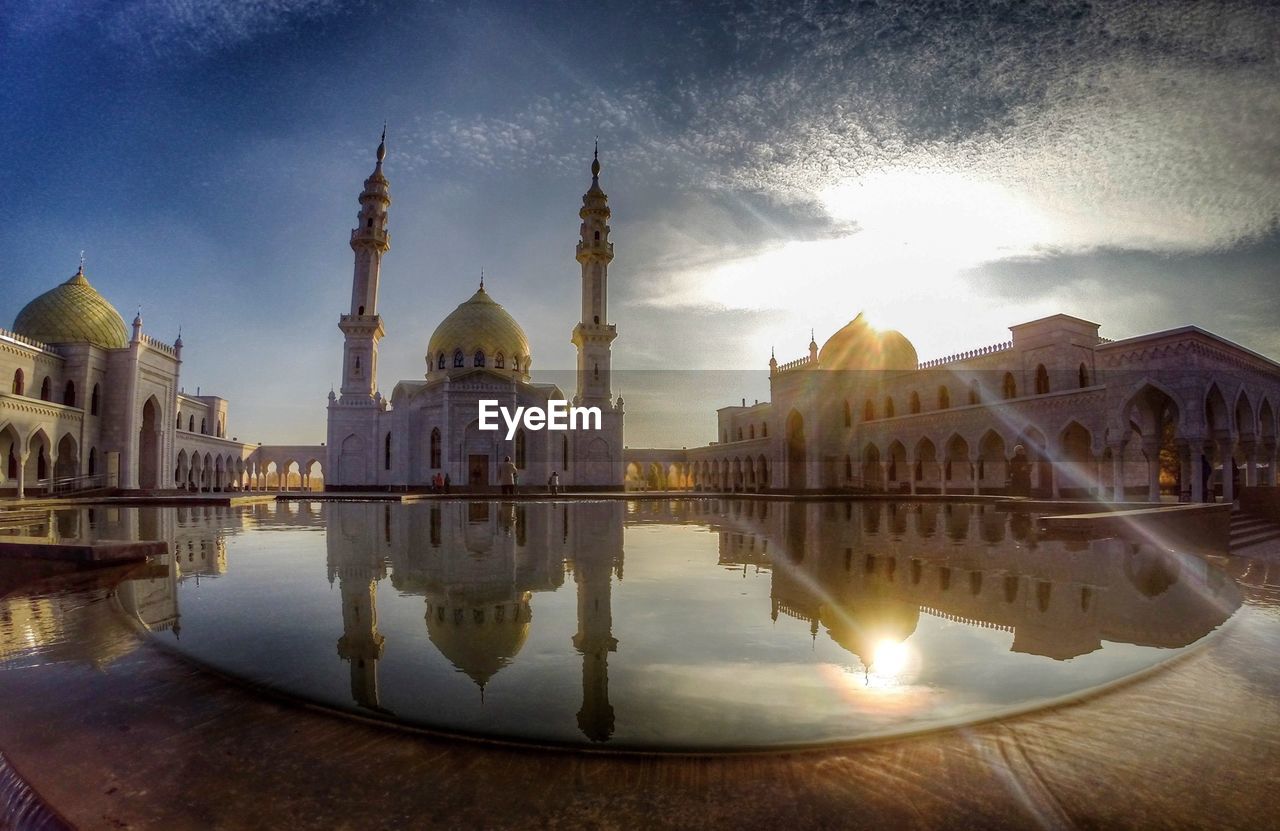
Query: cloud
(166,28)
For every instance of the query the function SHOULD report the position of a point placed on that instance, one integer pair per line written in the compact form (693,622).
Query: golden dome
(858,345)
(479,325)
(73,312)
(479,639)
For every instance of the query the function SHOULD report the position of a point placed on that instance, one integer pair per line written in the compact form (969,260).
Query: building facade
(1180,412)
(430,428)
(87,403)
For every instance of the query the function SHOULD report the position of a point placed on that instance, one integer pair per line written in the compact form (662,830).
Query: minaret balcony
(371,236)
(595,247)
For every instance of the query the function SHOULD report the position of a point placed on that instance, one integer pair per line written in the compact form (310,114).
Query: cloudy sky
(950,168)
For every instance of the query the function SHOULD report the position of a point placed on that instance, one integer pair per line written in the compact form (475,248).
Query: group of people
(440,483)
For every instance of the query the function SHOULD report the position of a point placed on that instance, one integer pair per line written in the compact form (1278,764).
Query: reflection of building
(1093,415)
(478,565)
(477,352)
(855,569)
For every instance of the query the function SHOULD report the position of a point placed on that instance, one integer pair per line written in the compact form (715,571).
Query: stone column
(911,474)
(22,474)
(1196,449)
(1226,449)
(1117,472)
(1099,490)
(1184,470)
(1250,463)
(973,474)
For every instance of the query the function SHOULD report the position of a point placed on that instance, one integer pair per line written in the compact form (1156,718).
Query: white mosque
(430,427)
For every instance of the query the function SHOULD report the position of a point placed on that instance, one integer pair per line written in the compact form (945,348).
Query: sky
(948,168)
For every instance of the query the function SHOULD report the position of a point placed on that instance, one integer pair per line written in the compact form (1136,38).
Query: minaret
(361,642)
(363,325)
(594,333)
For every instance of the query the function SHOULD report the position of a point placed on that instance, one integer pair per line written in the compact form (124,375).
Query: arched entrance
(149,445)
(796,456)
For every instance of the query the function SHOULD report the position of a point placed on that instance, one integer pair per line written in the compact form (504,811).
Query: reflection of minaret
(361,642)
(355,558)
(601,552)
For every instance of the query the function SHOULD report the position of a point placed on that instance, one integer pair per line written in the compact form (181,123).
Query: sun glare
(914,233)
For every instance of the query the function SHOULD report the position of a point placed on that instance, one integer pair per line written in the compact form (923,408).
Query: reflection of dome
(867,623)
(73,312)
(860,346)
(479,639)
(1151,572)
(479,325)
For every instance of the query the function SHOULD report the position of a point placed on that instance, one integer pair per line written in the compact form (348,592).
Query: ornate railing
(25,341)
(159,346)
(964,356)
(796,364)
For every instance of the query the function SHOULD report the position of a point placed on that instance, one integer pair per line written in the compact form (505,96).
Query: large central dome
(478,333)
(73,312)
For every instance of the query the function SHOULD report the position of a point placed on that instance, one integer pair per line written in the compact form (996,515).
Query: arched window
(975,397)
(19,382)
(204,427)
(521,448)
(944,398)
(914,404)
(386,452)
(458,359)
(69,394)
(764,428)
(499,362)
(1010,387)
(848,414)
(869,410)
(178,426)
(753,431)
(435,447)
(46,389)
(564,454)
(93,460)
(888,407)
(478,360)
(191,424)
(1084,376)
(515,364)
(93,401)
(440,363)
(1042,380)
(739,434)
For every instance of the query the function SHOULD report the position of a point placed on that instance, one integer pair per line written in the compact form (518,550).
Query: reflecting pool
(687,624)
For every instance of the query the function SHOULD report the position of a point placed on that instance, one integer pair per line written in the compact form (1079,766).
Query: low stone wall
(1198,527)
(1262,502)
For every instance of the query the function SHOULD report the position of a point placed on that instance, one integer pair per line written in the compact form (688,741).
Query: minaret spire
(594,334)
(362,325)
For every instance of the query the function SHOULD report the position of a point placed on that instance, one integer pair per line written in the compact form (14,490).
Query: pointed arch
(1042,380)
(797,455)
(1009,387)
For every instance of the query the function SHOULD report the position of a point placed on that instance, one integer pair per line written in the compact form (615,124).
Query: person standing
(507,476)
(553,483)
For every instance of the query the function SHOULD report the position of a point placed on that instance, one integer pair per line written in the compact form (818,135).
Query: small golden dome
(858,345)
(866,623)
(479,325)
(73,312)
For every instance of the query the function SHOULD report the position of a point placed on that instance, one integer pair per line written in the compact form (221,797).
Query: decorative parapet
(23,340)
(159,346)
(964,356)
(37,407)
(798,363)
(971,621)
